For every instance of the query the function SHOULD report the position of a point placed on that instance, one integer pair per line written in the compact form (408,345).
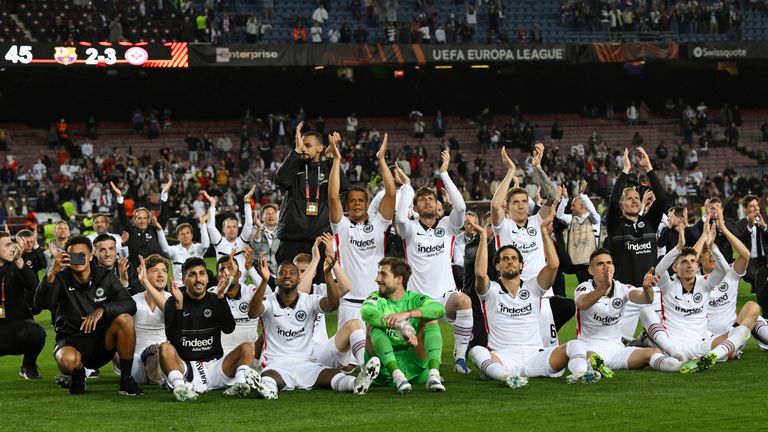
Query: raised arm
(164,213)
(305,281)
(286,173)
(247,232)
(613,215)
(163,242)
(540,178)
(256,306)
(594,216)
(121,215)
(205,240)
(547,274)
(387,205)
(330,302)
(657,209)
(669,259)
(404,205)
(740,264)
(645,296)
(213,232)
(459,210)
(335,209)
(482,281)
(500,194)
(561,215)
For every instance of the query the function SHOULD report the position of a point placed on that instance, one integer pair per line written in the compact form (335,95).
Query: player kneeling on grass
(403,331)
(149,320)
(288,319)
(193,360)
(600,303)
(682,331)
(93,316)
(512,313)
(347,346)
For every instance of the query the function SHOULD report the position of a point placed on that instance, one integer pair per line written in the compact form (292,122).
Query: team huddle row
(195,336)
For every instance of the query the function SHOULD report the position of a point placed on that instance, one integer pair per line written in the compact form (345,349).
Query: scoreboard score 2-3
(101,54)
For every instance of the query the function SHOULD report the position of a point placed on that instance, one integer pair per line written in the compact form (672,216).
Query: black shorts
(91,346)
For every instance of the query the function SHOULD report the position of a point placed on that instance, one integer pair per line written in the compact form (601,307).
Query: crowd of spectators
(72,181)
(678,16)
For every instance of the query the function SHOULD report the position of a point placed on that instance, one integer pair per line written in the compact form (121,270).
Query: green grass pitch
(728,397)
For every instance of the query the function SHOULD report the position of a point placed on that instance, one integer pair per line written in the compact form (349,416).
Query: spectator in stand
(268,7)
(351,128)
(316,33)
(299,34)
(632,114)
(764,130)
(361,34)
(251,29)
(333,35)
(320,15)
(439,125)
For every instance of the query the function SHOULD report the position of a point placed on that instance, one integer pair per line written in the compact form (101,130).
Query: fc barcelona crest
(65,55)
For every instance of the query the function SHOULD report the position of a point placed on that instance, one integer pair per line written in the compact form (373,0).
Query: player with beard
(192,360)
(512,307)
(288,319)
(360,237)
(429,245)
(93,316)
(403,331)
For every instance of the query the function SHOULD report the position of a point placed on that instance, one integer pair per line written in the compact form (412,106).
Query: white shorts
(443,300)
(301,376)
(528,363)
(631,314)
(328,355)
(616,356)
(242,334)
(206,376)
(547,325)
(348,311)
(692,349)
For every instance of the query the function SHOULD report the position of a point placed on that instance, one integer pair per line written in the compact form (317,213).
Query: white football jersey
(224,247)
(360,247)
(320,331)
(513,322)
(246,329)
(601,322)
(428,250)
(178,254)
(684,315)
(527,240)
(149,324)
(288,329)
(722,304)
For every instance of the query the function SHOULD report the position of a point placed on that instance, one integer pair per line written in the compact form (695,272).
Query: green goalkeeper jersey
(376,307)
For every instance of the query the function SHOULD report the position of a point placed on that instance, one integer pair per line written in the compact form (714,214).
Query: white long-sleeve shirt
(178,253)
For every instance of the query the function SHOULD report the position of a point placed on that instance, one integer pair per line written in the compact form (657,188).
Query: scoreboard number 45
(19,54)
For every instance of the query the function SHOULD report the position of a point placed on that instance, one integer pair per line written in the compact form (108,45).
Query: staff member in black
(19,333)
(143,235)
(753,232)
(94,316)
(34,258)
(304,211)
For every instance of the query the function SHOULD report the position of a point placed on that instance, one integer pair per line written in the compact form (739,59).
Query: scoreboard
(101,54)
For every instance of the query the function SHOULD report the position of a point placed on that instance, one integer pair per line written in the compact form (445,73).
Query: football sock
(577,356)
(342,382)
(462,332)
(736,338)
(664,363)
(357,345)
(176,379)
(433,344)
(482,358)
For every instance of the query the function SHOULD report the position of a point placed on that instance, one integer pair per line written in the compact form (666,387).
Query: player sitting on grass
(682,331)
(512,313)
(288,319)
(194,321)
(403,331)
(347,346)
(600,303)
